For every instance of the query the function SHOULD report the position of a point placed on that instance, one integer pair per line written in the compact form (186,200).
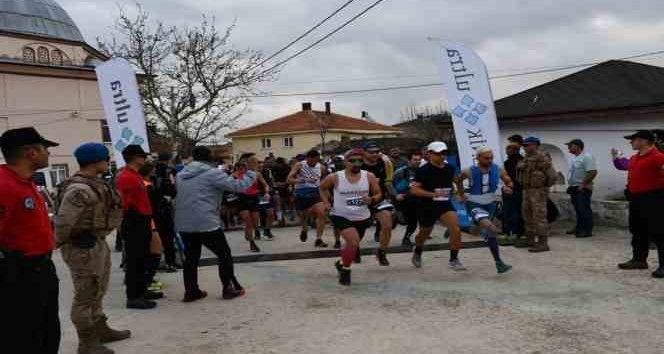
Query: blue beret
(531,140)
(90,153)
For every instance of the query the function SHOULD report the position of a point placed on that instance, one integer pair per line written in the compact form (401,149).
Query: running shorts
(429,212)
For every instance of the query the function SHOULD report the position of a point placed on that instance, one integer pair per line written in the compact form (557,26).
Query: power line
(306,33)
(323,38)
(496,77)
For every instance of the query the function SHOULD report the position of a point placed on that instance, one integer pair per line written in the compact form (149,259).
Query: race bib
(355,203)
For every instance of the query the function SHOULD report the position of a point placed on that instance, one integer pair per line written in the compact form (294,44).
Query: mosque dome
(44,18)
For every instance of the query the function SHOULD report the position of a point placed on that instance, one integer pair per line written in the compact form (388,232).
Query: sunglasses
(355,161)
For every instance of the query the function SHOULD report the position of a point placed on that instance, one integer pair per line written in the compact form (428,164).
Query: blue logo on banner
(469,110)
(128,138)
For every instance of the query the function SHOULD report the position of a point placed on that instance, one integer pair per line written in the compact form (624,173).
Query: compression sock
(493,246)
(347,255)
(454,254)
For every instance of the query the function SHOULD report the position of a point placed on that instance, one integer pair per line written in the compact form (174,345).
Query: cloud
(387,46)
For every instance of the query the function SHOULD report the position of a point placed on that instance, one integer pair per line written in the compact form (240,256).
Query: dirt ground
(570,300)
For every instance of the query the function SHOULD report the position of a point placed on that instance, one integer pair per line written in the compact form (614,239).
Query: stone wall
(607,212)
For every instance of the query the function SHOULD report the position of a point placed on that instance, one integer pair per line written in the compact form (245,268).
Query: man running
(381,210)
(406,201)
(306,177)
(484,179)
(280,171)
(433,184)
(248,203)
(354,190)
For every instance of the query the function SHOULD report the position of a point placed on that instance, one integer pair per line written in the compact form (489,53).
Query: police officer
(88,210)
(29,284)
(534,175)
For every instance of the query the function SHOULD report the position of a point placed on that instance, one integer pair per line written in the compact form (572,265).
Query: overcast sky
(388,45)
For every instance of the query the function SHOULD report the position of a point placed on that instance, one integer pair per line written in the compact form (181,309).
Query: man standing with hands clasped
(582,172)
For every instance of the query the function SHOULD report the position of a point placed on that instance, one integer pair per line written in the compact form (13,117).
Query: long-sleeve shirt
(645,172)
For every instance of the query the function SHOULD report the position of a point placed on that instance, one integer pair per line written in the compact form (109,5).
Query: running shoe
(456,265)
(257,234)
(337,244)
(303,236)
(501,267)
(344,276)
(230,293)
(269,236)
(659,273)
(253,247)
(320,244)
(381,256)
(193,297)
(417,260)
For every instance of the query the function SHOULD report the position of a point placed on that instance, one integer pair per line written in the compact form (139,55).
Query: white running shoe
(456,265)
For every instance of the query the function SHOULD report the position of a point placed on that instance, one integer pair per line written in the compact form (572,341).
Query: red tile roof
(304,121)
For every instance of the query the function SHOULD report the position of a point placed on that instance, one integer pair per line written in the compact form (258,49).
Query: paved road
(571,300)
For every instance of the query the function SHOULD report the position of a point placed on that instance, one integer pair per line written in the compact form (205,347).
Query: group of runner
(361,188)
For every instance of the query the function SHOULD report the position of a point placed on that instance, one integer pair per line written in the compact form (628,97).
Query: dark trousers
(166,231)
(136,230)
(216,242)
(581,200)
(645,224)
(512,215)
(29,321)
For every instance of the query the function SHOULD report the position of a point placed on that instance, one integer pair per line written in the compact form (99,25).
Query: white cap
(437,146)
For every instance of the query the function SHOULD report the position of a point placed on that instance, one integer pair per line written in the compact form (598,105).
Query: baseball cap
(370,146)
(643,134)
(90,153)
(437,146)
(577,142)
(133,150)
(531,140)
(23,136)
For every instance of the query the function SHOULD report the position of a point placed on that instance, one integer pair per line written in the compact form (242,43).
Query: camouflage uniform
(88,206)
(532,175)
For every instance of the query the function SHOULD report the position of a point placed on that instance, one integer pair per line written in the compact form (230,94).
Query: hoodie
(200,188)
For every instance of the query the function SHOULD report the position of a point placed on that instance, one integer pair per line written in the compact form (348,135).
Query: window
(28,54)
(266,143)
(105,132)
(288,142)
(43,56)
(56,57)
(59,173)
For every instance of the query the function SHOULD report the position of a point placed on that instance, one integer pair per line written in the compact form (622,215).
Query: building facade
(47,80)
(301,131)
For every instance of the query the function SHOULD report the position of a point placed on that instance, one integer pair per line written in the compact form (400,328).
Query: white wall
(599,136)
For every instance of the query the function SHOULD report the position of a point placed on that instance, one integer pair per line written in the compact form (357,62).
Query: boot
(525,242)
(542,245)
(88,343)
(107,335)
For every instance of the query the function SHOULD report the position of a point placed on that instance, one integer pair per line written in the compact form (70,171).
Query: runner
(354,190)
(406,201)
(433,184)
(266,200)
(481,204)
(382,209)
(248,203)
(306,177)
(280,170)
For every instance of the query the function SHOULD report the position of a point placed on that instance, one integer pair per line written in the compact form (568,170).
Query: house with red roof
(303,130)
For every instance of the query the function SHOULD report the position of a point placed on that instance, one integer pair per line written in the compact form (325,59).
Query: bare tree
(429,123)
(195,83)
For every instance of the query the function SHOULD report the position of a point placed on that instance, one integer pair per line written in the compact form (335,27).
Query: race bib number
(355,202)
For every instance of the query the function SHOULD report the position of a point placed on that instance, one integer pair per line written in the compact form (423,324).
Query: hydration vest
(477,180)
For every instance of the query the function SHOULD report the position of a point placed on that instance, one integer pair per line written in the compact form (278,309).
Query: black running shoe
(253,247)
(268,234)
(337,244)
(230,293)
(320,244)
(381,256)
(257,234)
(344,276)
(303,236)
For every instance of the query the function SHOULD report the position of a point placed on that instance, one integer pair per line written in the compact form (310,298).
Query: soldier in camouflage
(534,175)
(88,210)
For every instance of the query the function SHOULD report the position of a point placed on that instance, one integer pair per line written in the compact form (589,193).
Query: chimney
(328,108)
(306,106)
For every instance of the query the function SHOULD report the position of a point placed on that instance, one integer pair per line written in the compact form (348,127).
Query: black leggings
(216,242)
